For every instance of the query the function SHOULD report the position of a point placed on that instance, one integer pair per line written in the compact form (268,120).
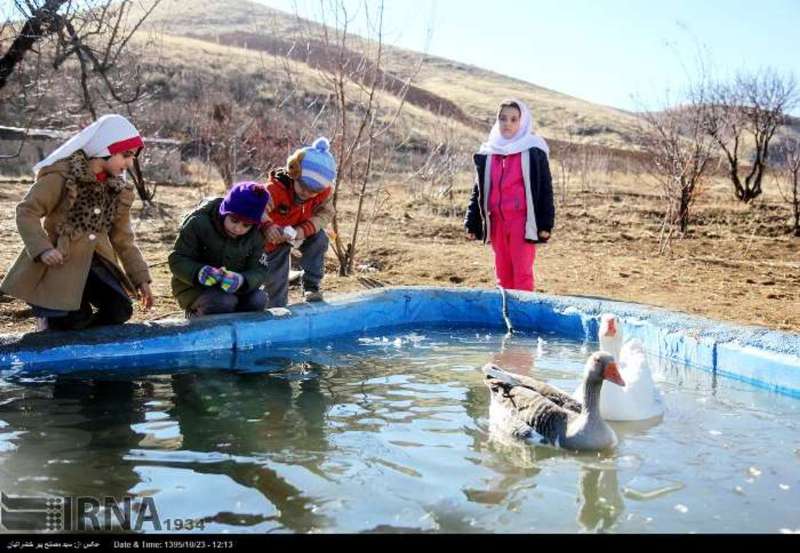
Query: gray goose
(525,406)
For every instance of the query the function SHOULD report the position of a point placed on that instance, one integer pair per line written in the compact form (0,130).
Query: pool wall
(766,358)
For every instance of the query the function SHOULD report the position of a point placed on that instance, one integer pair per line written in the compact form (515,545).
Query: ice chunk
(645,488)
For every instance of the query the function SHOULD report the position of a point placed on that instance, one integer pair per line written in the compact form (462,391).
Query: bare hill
(462,92)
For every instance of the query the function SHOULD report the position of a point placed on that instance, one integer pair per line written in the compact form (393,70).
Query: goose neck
(611,345)
(591,397)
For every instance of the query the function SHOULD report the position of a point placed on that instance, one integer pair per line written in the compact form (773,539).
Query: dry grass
(738,263)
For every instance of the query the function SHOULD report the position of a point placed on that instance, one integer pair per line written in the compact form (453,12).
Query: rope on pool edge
(509,327)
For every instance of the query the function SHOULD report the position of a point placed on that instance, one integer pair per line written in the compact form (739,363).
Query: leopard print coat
(69,209)
(92,204)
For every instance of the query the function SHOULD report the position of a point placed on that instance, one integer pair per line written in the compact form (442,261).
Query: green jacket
(202,240)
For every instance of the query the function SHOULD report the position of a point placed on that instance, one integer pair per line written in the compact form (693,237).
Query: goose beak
(611,373)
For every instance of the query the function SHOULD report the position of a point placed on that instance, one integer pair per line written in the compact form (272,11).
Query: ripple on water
(379,434)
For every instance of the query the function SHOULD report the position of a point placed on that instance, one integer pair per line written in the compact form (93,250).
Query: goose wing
(550,392)
(542,415)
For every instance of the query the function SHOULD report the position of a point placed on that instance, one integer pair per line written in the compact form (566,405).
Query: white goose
(639,399)
(524,407)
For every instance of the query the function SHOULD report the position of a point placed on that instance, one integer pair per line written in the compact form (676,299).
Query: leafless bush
(579,163)
(358,122)
(564,156)
(238,144)
(751,106)
(789,151)
(678,152)
(446,157)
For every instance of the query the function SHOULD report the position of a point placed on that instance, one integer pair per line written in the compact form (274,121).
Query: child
(301,208)
(513,187)
(217,263)
(68,264)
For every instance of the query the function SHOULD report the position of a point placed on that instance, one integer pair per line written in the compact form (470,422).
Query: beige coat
(61,287)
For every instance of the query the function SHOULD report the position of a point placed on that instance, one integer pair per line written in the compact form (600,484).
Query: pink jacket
(507,196)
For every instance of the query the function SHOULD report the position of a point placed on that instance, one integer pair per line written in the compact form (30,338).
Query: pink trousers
(513,256)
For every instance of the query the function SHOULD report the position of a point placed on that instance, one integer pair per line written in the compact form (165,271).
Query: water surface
(390,432)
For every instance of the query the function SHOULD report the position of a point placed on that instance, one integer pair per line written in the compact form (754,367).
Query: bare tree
(50,46)
(447,156)
(564,153)
(41,19)
(789,150)
(354,72)
(750,108)
(678,152)
(93,34)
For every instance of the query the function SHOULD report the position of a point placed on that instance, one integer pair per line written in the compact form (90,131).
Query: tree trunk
(683,209)
(42,22)
(796,203)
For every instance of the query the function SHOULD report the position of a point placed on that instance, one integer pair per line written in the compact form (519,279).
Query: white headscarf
(107,136)
(523,140)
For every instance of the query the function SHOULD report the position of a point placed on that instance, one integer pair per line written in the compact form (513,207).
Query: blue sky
(623,53)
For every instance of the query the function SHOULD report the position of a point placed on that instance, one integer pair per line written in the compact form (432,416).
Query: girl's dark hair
(141,187)
(138,181)
(509,104)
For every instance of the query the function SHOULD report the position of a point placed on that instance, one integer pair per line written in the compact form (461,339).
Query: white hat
(105,137)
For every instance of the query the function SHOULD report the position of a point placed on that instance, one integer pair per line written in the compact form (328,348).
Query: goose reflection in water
(599,498)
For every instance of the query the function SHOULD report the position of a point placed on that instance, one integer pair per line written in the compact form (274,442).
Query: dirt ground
(739,263)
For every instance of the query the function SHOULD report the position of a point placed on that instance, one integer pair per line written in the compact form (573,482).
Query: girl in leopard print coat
(75,225)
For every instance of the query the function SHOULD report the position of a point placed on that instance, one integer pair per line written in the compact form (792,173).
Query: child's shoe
(312,296)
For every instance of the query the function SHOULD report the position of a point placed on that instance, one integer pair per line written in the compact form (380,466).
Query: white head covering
(107,136)
(523,140)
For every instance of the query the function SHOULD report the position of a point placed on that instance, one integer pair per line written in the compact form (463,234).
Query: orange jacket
(310,216)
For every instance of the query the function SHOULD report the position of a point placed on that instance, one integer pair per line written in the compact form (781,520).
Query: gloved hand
(210,276)
(231,281)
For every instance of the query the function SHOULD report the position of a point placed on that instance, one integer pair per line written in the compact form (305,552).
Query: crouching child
(218,263)
(75,225)
(300,209)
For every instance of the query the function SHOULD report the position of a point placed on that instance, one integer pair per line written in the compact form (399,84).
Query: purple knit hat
(245,200)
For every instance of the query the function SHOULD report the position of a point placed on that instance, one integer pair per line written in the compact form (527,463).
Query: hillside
(465,93)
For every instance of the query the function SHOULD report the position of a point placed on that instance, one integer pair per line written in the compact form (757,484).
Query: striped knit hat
(313,166)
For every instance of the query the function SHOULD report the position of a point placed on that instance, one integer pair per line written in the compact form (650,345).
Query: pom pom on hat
(245,200)
(314,166)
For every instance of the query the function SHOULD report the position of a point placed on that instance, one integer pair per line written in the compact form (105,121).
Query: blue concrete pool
(367,414)
(758,356)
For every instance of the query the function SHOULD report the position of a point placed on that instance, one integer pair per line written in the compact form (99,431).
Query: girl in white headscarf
(512,201)
(75,226)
